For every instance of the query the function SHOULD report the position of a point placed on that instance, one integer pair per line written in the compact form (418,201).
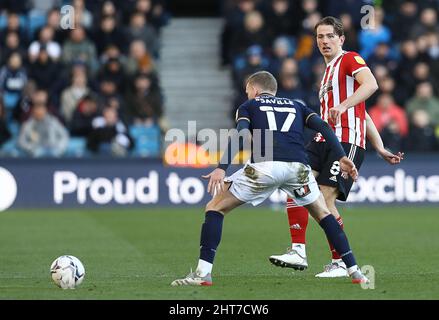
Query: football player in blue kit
(284,121)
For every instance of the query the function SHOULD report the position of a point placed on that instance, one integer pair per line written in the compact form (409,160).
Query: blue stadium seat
(10,99)
(76,147)
(10,149)
(146,140)
(35,21)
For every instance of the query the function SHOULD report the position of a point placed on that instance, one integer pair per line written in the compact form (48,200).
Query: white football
(67,272)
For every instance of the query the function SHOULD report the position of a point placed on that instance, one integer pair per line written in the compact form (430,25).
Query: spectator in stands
(44,70)
(86,111)
(144,101)
(73,94)
(13,78)
(390,120)
(110,96)
(139,30)
(424,100)
(382,56)
(13,25)
(12,44)
(428,23)
(278,18)
(404,20)
(5,134)
(234,21)
(254,33)
(139,59)
(407,62)
(42,135)
(307,52)
(422,133)
(421,73)
(255,61)
(54,21)
(45,40)
(109,9)
(109,135)
(350,32)
(154,12)
(79,47)
(113,69)
(107,34)
(289,87)
(370,38)
(82,15)
(282,49)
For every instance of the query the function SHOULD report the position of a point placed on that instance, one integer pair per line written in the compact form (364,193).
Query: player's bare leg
(335,233)
(221,204)
(337,267)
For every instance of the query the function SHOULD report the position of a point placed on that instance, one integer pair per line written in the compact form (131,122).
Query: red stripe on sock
(298,220)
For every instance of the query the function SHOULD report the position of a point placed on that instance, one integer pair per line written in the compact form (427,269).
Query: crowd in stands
(92,89)
(402,50)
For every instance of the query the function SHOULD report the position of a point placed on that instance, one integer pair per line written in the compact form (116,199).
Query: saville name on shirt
(281,101)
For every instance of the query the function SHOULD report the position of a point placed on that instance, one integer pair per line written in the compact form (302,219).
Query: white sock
(300,249)
(353,269)
(204,268)
(337,260)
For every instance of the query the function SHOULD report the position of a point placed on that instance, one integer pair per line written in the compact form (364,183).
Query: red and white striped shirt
(337,84)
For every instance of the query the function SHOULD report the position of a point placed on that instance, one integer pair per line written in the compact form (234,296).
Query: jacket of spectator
(78,47)
(87,110)
(385,112)
(109,135)
(43,134)
(424,100)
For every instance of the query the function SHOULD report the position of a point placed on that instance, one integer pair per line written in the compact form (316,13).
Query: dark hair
(264,79)
(331,21)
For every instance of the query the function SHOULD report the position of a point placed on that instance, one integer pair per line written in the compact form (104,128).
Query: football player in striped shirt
(346,84)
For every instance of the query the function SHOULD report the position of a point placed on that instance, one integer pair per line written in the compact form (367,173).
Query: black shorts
(323,160)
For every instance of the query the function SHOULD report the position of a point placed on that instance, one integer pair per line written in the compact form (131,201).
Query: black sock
(211,235)
(338,238)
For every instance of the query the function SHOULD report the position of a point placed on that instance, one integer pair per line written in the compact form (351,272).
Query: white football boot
(335,269)
(193,279)
(291,259)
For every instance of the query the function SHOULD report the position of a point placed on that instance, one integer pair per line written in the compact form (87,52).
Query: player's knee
(213,205)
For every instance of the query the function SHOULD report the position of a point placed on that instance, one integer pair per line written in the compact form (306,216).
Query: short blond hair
(264,79)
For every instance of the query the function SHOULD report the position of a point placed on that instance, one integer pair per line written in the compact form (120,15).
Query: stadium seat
(146,141)
(10,149)
(35,21)
(76,147)
(10,99)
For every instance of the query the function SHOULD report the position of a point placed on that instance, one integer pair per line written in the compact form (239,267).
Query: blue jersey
(285,118)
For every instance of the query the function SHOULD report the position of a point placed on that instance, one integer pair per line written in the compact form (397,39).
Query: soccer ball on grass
(67,272)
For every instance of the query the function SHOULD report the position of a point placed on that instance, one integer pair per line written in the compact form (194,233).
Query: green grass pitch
(135,254)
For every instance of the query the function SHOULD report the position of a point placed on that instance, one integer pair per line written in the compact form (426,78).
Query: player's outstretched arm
(368,85)
(374,137)
(346,165)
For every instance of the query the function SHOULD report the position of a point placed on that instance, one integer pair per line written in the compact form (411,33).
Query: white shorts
(255,182)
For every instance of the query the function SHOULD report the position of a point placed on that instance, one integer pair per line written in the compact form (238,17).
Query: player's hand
(348,167)
(335,113)
(216,181)
(390,157)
